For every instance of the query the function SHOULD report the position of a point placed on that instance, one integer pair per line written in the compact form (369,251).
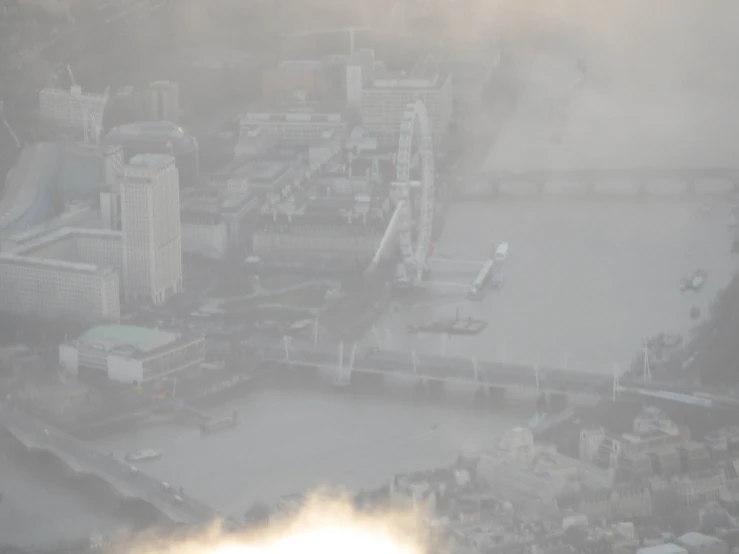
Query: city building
(314,232)
(164,101)
(298,126)
(150,216)
(303,76)
(668,548)
(29,195)
(698,543)
(159,137)
(83,214)
(215,220)
(525,472)
(72,108)
(697,488)
(257,177)
(624,501)
(69,272)
(131,354)
(385,100)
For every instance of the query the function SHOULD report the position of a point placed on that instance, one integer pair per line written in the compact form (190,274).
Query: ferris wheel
(415,232)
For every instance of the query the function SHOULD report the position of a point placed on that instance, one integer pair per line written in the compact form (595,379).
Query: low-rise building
(385,100)
(698,543)
(215,220)
(72,107)
(668,548)
(70,272)
(294,126)
(339,232)
(697,488)
(131,354)
(623,501)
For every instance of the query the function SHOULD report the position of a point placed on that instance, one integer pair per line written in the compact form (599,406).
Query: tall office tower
(164,101)
(150,217)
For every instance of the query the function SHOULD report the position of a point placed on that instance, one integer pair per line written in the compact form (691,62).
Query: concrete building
(164,101)
(28,197)
(524,472)
(83,215)
(160,137)
(698,543)
(303,76)
(384,102)
(296,126)
(626,501)
(69,272)
(71,108)
(150,216)
(339,232)
(203,233)
(131,354)
(698,488)
(216,220)
(668,548)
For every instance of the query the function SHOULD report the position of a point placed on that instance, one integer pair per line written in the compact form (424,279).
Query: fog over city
(402,276)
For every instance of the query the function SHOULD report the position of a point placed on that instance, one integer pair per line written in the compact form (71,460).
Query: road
(35,434)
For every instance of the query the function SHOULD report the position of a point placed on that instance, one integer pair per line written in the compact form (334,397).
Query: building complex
(131,354)
(150,218)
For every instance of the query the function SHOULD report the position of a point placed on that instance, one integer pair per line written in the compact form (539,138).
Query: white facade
(150,217)
(113,165)
(164,101)
(292,127)
(205,238)
(384,103)
(73,107)
(129,354)
(52,288)
(65,272)
(354,86)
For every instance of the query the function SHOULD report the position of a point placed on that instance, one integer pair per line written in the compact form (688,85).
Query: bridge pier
(436,390)
(558,402)
(481,398)
(496,396)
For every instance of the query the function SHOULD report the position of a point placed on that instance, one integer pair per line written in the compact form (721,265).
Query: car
(497,281)
(144,455)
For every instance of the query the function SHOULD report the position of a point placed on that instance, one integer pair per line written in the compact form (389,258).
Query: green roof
(141,338)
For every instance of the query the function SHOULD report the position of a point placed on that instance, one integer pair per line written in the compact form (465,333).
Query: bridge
(343,362)
(605,183)
(129,482)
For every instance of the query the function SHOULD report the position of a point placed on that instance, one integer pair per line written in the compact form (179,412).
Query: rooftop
(150,128)
(63,234)
(151,160)
(143,339)
(410,82)
(58,265)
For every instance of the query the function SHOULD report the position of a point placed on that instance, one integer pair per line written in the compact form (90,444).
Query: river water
(288,440)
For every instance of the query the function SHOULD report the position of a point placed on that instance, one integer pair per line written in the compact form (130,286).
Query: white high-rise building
(150,218)
(384,102)
(164,101)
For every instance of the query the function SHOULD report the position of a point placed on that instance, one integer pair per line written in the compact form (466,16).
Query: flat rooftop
(409,82)
(63,234)
(151,160)
(143,339)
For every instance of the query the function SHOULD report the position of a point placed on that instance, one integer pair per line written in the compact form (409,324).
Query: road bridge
(127,482)
(605,183)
